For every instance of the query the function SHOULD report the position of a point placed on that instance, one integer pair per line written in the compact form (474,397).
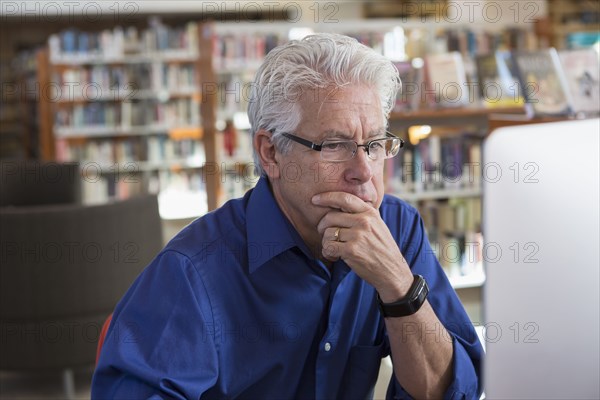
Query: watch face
(419,291)
(423,290)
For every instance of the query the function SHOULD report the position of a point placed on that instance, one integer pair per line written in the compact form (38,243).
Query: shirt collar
(269,232)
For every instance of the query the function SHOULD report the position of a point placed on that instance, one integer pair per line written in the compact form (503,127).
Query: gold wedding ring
(336,234)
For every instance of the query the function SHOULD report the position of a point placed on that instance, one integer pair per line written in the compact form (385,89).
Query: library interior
(122,123)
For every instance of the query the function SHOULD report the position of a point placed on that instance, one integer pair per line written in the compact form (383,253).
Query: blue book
(69,41)
(83,44)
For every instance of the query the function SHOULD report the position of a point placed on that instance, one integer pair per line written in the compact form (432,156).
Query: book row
(120,82)
(134,154)
(454,230)
(436,163)
(73,44)
(474,43)
(234,51)
(136,113)
(551,82)
(242,50)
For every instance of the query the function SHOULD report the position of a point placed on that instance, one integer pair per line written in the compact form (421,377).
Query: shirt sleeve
(468,352)
(160,343)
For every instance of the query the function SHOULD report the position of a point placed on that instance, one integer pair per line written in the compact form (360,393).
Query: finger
(335,219)
(333,234)
(332,250)
(343,201)
(346,236)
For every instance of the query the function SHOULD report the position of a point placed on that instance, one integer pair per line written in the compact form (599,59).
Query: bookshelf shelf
(167,56)
(575,27)
(459,117)
(109,131)
(439,194)
(455,113)
(121,95)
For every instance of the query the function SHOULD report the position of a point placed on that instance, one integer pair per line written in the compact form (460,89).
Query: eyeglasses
(343,150)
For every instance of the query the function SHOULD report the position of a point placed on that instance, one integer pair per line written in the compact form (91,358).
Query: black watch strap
(410,304)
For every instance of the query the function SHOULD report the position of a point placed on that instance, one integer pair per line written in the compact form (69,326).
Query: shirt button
(327,346)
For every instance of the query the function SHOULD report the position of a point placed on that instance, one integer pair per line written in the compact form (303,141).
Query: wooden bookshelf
(146,122)
(46,122)
(208,111)
(227,67)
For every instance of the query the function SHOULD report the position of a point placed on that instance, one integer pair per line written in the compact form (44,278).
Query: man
(300,288)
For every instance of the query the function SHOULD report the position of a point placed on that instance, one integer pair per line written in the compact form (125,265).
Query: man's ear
(266,153)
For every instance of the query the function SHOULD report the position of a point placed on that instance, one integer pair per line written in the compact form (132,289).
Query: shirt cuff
(464,386)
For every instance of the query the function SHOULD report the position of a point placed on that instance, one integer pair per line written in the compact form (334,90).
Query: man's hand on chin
(354,231)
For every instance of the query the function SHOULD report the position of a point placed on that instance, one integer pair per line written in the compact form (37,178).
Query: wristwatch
(410,303)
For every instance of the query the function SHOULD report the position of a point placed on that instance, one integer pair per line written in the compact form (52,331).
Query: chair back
(63,270)
(29,183)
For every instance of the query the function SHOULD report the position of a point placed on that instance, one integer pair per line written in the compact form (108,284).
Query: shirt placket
(329,360)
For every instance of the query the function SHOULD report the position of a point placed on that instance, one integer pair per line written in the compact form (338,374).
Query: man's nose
(359,168)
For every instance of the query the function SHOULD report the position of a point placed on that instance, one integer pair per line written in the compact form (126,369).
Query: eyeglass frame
(319,147)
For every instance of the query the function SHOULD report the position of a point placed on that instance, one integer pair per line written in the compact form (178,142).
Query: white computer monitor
(541,234)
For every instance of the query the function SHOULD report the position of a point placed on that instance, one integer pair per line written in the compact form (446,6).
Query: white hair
(315,62)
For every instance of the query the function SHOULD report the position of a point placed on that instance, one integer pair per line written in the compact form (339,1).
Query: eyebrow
(333,134)
(344,135)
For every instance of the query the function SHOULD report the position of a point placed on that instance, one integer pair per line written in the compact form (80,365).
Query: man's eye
(332,146)
(376,146)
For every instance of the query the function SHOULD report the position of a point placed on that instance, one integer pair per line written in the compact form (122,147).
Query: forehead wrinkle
(345,129)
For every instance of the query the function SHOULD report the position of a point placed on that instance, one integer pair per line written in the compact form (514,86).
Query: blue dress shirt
(235,306)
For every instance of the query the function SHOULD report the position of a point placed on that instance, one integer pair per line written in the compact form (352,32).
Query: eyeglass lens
(345,150)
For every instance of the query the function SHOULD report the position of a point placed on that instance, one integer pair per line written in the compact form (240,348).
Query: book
(408,98)
(497,82)
(446,80)
(583,79)
(543,82)
(509,77)
(69,41)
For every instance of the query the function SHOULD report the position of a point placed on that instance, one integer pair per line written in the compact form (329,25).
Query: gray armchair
(63,270)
